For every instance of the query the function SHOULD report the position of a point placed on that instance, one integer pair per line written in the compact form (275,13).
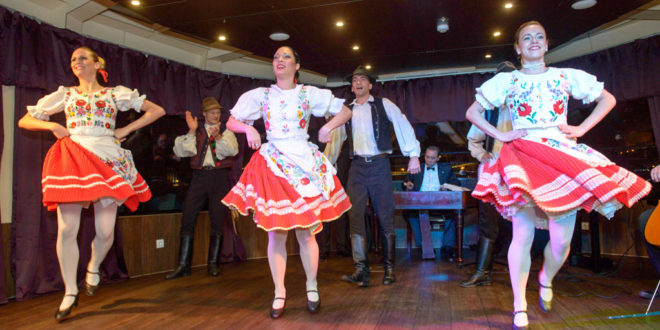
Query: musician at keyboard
(431,178)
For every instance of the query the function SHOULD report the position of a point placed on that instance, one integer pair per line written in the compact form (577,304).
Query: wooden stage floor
(426,295)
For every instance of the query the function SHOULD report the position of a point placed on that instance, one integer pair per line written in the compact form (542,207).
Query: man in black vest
(211,153)
(370,176)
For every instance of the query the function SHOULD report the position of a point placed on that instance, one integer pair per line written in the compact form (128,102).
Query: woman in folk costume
(288,184)
(87,165)
(543,177)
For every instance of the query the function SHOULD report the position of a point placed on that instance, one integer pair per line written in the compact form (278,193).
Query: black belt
(369,159)
(208,168)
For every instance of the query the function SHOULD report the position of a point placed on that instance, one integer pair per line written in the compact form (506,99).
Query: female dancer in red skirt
(288,184)
(87,164)
(543,177)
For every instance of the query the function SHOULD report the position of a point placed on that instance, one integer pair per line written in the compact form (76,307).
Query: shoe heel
(90,289)
(314,306)
(61,314)
(277,313)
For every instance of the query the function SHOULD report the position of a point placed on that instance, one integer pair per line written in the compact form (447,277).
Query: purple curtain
(427,100)
(629,71)
(37,55)
(3,279)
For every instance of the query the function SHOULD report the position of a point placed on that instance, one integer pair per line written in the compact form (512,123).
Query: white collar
(274,86)
(371,99)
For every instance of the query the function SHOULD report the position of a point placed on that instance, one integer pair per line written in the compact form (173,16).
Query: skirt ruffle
(559,184)
(277,205)
(71,174)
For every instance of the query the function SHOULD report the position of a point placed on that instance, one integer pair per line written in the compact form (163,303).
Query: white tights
(68,223)
(555,253)
(309,254)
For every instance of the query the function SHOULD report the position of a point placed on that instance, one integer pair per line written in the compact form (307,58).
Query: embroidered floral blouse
(91,114)
(90,118)
(286,115)
(539,100)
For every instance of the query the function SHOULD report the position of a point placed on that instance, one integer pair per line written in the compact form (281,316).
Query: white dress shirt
(364,142)
(430,182)
(227,146)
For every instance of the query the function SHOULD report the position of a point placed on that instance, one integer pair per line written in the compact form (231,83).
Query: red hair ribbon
(295,80)
(104,74)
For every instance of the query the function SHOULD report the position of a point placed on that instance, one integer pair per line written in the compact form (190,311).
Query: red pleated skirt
(71,174)
(556,182)
(276,205)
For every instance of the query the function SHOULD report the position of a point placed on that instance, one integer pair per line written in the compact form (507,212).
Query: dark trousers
(206,185)
(341,224)
(371,180)
(652,250)
(489,221)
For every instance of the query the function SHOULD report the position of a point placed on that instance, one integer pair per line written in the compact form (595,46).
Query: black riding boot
(185,259)
(388,259)
(215,245)
(361,261)
(484,264)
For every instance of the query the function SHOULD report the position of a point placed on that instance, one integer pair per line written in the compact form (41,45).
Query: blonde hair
(96,58)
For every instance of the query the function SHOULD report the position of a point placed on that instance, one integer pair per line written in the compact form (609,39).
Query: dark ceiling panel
(393,35)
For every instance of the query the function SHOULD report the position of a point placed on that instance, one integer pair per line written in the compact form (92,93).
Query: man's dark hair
(433,148)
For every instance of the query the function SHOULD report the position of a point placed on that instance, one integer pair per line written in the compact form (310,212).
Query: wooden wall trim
(140,232)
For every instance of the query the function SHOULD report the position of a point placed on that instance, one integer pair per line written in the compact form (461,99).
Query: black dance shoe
(546,305)
(277,313)
(314,306)
(90,290)
(61,314)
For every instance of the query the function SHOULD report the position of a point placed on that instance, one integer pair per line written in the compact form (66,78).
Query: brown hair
(296,57)
(432,148)
(95,56)
(524,25)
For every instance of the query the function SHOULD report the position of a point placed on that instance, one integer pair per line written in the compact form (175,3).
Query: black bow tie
(430,168)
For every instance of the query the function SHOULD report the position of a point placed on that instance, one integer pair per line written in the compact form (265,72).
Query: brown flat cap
(210,103)
(361,71)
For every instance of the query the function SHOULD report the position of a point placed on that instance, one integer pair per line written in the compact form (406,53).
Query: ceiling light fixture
(279,36)
(442,25)
(488,56)
(222,38)
(135,3)
(339,23)
(356,47)
(497,33)
(368,67)
(583,4)
(508,5)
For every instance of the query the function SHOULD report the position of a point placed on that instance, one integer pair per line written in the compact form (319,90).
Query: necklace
(533,65)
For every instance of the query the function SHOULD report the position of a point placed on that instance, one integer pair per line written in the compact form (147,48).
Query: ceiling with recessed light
(391,35)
